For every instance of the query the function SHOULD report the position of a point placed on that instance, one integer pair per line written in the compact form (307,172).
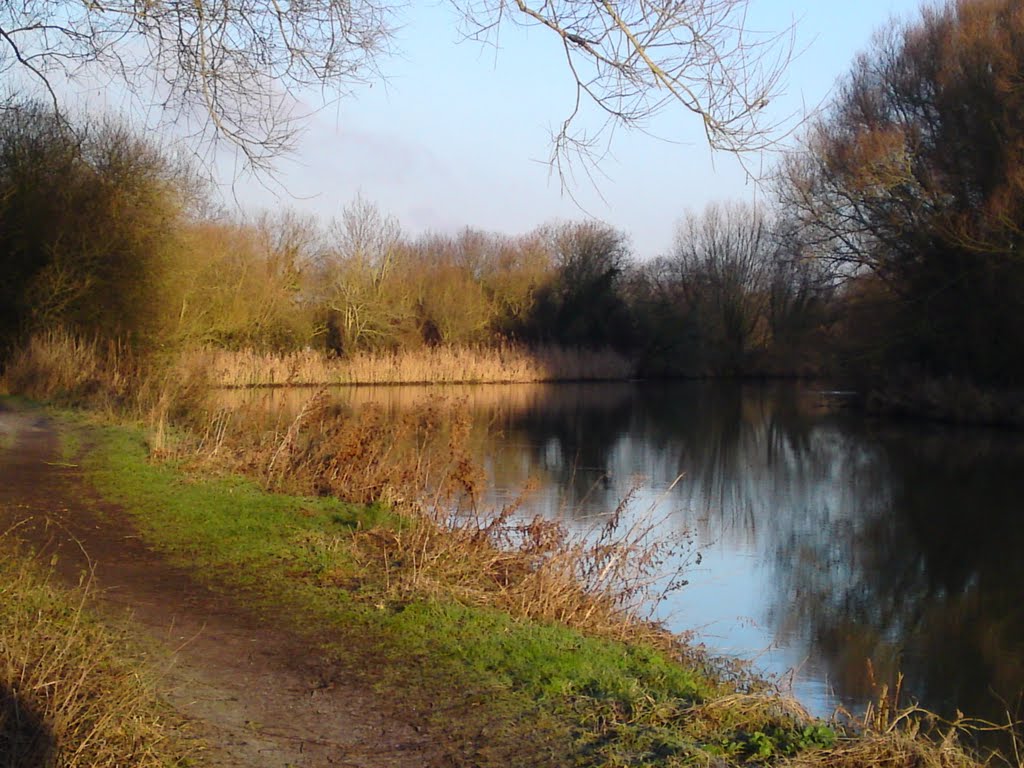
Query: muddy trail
(249,692)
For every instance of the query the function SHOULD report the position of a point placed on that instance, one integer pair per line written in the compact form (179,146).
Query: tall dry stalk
(602,580)
(60,365)
(108,375)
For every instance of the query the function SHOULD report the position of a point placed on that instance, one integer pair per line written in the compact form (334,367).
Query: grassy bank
(312,561)
(71,694)
(532,692)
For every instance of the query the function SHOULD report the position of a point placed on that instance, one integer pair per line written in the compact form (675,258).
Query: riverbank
(535,692)
(261,676)
(532,693)
(948,401)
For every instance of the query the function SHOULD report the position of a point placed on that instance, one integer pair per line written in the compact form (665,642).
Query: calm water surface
(834,551)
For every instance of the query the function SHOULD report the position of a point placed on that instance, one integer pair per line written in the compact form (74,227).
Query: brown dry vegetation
(420,463)
(424,365)
(71,696)
(104,375)
(530,568)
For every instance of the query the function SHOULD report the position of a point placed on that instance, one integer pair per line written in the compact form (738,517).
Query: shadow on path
(25,741)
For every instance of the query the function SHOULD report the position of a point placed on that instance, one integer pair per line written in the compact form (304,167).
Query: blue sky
(458,134)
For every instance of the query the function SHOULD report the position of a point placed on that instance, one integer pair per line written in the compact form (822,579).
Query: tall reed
(61,365)
(107,375)
(427,365)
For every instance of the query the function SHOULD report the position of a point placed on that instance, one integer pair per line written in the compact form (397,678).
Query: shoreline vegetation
(64,365)
(126,249)
(339,520)
(887,254)
(478,364)
(947,401)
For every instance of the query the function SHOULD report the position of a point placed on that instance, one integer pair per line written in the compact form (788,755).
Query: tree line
(104,234)
(890,245)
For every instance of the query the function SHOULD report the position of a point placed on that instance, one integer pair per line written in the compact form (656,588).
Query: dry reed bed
(62,367)
(428,365)
(499,402)
(61,364)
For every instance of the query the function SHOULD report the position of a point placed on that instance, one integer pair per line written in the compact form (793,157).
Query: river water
(833,551)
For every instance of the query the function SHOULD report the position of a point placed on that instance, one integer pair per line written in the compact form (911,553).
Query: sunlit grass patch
(70,692)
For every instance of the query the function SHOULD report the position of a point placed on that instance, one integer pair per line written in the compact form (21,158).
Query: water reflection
(923,577)
(828,541)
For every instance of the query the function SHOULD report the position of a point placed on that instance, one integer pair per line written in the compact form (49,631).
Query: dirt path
(255,694)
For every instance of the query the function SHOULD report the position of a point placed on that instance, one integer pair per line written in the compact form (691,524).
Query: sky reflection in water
(827,541)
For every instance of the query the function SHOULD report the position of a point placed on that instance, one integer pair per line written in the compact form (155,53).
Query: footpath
(249,692)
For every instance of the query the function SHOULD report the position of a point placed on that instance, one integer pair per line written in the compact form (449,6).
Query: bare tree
(236,62)
(241,64)
(723,259)
(355,273)
(631,60)
(913,178)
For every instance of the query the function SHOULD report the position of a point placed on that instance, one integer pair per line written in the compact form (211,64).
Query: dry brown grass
(894,735)
(59,365)
(887,735)
(67,369)
(598,581)
(419,461)
(327,449)
(427,365)
(69,695)
(893,749)
(369,456)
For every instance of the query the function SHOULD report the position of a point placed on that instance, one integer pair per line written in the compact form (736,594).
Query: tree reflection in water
(845,540)
(895,544)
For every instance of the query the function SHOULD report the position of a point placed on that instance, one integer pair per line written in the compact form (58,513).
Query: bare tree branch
(241,65)
(632,60)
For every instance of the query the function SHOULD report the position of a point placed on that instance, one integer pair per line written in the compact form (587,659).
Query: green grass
(289,553)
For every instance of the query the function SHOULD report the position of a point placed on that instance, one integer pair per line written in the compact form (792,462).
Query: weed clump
(69,698)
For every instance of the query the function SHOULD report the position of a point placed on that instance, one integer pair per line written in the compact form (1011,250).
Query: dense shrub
(88,215)
(914,179)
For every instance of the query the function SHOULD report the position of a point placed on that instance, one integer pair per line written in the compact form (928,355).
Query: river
(832,551)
